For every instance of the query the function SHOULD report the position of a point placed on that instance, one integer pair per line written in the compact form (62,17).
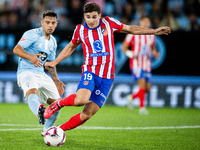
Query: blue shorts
(98,86)
(141,74)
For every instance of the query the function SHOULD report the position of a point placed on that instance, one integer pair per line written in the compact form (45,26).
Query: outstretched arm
(142,30)
(66,52)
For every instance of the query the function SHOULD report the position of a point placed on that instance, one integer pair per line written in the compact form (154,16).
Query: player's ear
(99,15)
(42,22)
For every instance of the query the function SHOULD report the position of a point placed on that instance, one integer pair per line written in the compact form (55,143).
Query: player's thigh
(82,96)
(27,81)
(85,87)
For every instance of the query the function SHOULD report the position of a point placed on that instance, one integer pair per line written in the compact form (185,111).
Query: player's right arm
(19,51)
(66,52)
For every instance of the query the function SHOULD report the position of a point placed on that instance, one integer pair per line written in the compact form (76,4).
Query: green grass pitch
(112,128)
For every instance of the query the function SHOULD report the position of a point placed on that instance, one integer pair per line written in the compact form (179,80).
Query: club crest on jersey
(104,31)
(97,46)
(85,82)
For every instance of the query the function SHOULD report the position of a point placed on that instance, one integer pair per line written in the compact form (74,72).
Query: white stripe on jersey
(91,40)
(101,38)
(87,51)
(110,47)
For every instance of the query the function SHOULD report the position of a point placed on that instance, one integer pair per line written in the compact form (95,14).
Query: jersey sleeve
(116,25)
(28,38)
(76,36)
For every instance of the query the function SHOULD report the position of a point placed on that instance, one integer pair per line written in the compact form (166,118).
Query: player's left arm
(59,84)
(141,30)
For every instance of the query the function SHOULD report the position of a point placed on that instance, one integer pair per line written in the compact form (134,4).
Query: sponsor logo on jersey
(98,92)
(99,54)
(97,46)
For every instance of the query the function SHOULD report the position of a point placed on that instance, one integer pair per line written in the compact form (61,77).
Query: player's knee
(81,101)
(85,117)
(32,91)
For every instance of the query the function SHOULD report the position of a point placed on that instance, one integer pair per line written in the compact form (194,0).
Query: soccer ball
(54,136)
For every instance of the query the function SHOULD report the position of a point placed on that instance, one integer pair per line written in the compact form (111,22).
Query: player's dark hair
(92,6)
(49,13)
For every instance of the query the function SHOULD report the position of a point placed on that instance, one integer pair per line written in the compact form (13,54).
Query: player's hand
(155,54)
(60,86)
(163,31)
(36,61)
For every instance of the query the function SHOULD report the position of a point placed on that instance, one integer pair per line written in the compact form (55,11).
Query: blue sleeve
(28,38)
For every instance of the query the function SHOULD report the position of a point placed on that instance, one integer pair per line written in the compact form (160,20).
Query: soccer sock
(68,101)
(140,91)
(74,122)
(33,103)
(141,98)
(50,122)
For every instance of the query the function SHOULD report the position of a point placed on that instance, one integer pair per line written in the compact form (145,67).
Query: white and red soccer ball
(54,136)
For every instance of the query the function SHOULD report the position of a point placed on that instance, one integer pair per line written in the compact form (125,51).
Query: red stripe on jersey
(107,50)
(76,38)
(89,49)
(99,59)
(113,62)
(102,63)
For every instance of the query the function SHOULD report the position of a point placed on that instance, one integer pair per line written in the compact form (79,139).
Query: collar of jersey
(92,28)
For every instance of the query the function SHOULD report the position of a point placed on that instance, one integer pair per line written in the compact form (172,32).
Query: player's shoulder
(36,32)
(78,27)
(111,19)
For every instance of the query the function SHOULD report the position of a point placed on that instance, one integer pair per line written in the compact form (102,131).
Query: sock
(73,122)
(68,101)
(33,103)
(141,98)
(50,122)
(140,91)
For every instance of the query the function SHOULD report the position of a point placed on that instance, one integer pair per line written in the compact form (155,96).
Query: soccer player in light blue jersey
(35,47)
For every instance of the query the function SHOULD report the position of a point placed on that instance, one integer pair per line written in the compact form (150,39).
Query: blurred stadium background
(176,75)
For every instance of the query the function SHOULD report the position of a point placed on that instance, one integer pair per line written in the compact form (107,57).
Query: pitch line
(100,128)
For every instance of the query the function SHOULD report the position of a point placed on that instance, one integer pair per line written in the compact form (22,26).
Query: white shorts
(46,87)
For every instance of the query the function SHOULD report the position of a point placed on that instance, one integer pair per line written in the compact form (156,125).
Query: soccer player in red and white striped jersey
(142,47)
(97,39)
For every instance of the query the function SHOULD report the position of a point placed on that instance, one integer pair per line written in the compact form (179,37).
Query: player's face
(92,19)
(145,22)
(49,24)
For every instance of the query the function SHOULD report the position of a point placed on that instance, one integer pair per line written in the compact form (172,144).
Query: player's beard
(49,32)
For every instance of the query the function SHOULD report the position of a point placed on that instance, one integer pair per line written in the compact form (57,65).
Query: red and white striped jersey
(141,45)
(98,46)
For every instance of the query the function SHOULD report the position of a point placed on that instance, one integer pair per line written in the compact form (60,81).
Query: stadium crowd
(177,14)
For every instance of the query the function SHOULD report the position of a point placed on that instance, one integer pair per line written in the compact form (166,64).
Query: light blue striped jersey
(33,42)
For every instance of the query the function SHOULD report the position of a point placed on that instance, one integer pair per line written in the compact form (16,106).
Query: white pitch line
(102,128)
